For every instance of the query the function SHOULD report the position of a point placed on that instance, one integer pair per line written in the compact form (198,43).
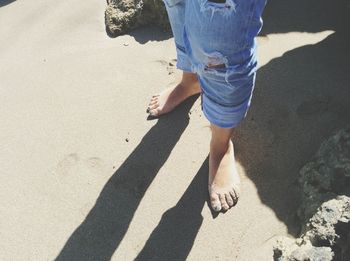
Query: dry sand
(84,175)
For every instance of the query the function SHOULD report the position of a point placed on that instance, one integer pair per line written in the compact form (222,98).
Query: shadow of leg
(173,238)
(107,222)
(6,2)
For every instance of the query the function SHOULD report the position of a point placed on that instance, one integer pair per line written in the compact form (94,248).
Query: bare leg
(168,99)
(224,180)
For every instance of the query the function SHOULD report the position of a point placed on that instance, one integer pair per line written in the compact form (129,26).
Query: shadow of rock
(150,33)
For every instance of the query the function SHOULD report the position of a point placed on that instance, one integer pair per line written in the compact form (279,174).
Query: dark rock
(121,16)
(327,176)
(325,207)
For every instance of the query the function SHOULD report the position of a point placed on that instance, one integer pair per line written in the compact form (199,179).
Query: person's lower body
(216,50)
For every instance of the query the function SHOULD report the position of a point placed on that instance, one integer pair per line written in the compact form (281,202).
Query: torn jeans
(216,40)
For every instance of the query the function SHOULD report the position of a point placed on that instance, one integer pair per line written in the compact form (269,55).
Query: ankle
(189,79)
(219,148)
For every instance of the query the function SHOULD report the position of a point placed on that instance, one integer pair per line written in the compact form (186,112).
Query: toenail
(229,200)
(234,194)
(217,208)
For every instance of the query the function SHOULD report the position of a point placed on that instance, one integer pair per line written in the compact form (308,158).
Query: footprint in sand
(73,165)
(77,177)
(170,65)
(67,164)
(94,164)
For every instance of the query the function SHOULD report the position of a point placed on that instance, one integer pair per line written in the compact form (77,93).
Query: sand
(85,175)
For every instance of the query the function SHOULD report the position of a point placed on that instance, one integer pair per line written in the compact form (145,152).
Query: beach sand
(85,175)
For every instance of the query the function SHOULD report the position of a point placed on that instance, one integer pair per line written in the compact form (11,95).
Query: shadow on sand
(173,238)
(5,2)
(150,33)
(107,222)
(300,98)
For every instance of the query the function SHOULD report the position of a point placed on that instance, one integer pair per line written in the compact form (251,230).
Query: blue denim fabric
(217,42)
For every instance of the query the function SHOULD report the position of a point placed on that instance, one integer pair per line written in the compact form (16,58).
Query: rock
(323,227)
(292,252)
(328,175)
(121,16)
(325,208)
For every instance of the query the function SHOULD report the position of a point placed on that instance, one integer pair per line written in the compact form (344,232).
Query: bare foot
(168,99)
(224,180)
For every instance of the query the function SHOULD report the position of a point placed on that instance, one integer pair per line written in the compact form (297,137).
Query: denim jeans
(216,40)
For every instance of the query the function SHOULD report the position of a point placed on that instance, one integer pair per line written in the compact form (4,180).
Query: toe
(152,102)
(229,200)
(152,107)
(154,112)
(236,190)
(223,202)
(215,202)
(153,99)
(234,197)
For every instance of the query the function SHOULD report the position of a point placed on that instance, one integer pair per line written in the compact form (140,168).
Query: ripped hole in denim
(218,1)
(210,63)
(171,3)
(226,7)
(215,60)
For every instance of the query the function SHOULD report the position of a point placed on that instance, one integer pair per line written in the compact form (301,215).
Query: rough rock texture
(290,250)
(121,16)
(325,206)
(328,175)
